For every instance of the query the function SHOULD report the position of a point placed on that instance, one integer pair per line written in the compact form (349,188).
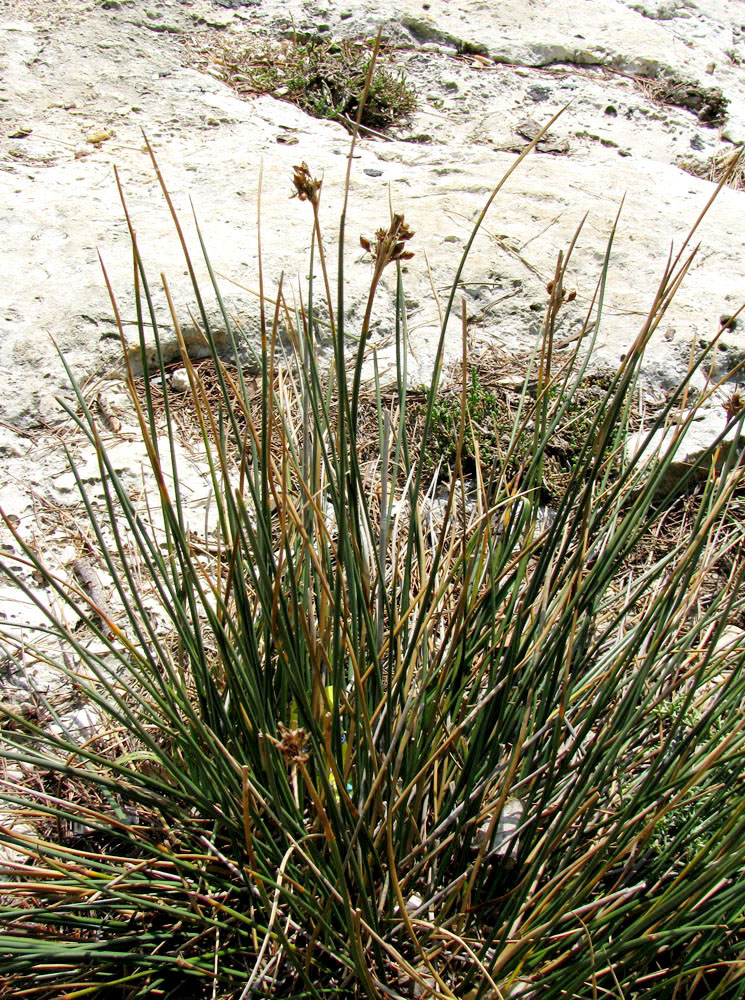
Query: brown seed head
(307,188)
(734,404)
(292,744)
(389,244)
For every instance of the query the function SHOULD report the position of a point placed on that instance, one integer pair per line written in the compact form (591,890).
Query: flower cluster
(389,244)
(307,188)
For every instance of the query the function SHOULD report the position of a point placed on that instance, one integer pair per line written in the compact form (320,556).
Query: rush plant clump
(350,745)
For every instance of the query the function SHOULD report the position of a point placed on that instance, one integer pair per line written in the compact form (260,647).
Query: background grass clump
(325,78)
(353,744)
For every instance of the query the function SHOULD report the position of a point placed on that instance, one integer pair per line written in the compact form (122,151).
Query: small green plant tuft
(324,78)
(493,402)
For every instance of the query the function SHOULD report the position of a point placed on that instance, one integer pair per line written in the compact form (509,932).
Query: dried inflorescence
(569,296)
(734,404)
(292,744)
(307,188)
(389,244)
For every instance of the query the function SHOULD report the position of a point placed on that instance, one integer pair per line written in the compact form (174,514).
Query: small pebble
(179,381)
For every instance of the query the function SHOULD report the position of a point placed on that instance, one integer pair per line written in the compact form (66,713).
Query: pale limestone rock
(692,440)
